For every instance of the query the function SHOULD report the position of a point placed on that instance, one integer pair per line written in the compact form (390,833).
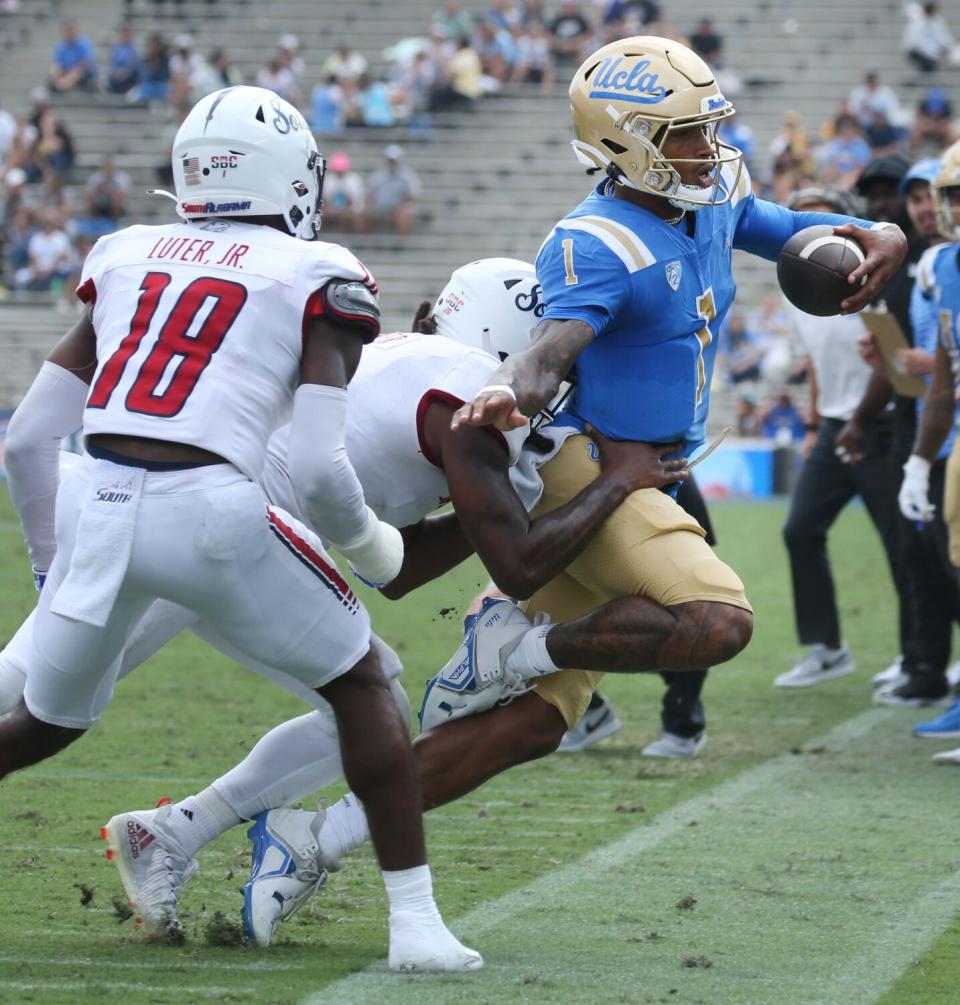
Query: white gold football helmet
(244,151)
(628,97)
(948,177)
(492,304)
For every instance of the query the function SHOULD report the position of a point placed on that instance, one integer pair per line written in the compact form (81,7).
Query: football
(812,269)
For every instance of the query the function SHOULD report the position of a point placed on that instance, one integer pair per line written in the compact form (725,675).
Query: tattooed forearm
(535,374)
(638,635)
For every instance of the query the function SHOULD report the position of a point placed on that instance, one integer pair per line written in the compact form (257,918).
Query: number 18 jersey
(200,331)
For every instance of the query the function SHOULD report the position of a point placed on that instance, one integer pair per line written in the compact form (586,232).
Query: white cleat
(672,746)
(418,944)
(948,756)
(152,865)
(819,664)
(475,678)
(893,676)
(288,869)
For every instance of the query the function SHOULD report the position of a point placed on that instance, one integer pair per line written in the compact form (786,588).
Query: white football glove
(913,497)
(376,554)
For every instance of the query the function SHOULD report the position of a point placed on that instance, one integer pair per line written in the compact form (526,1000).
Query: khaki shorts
(648,547)
(951,501)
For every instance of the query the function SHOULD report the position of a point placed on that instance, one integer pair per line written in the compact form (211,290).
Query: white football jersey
(200,331)
(398,376)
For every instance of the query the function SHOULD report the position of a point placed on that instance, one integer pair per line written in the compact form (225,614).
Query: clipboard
(888,334)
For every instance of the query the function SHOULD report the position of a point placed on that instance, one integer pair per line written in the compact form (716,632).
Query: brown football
(812,269)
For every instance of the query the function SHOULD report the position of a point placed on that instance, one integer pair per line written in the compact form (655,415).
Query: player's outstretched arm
(431,548)
(51,411)
(527,381)
(521,554)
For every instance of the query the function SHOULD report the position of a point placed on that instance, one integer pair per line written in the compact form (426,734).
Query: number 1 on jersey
(571,276)
(707,309)
(195,351)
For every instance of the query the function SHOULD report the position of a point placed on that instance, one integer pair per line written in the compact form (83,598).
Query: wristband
(505,388)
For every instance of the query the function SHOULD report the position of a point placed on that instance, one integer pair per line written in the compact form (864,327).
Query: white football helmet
(948,177)
(491,304)
(628,97)
(244,151)
(494,304)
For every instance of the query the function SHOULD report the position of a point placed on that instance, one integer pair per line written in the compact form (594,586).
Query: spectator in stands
(531,12)
(49,256)
(14,192)
(185,64)
(791,160)
(343,194)
(534,62)
(741,352)
(328,107)
(569,30)
(748,416)
(870,97)
(346,65)
(8,133)
(883,136)
(707,43)
(288,47)
(218,72)
(124,69)
(844,156)
(52,149)
(411,84)
(643,13)
(105,200)
(455,24)
(927,40)
(781,420)
(933,124)
(370,104)
(392,193)
(154,86)
(74,61)
(503,13)
(274,76)
(19,230)
(462,86)
(496,49)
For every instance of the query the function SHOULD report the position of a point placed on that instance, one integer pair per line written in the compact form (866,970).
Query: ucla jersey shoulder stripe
(622,241)
(743,182)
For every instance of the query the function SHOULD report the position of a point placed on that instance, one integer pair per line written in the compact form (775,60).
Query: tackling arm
(320,470)
(527,381)
(51,410)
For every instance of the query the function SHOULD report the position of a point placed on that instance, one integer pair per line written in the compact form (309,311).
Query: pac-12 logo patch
(674,271)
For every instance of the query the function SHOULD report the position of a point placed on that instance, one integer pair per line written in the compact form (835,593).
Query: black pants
(932,583)
(824,488)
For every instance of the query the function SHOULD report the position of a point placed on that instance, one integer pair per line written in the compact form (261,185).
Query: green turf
(189,715)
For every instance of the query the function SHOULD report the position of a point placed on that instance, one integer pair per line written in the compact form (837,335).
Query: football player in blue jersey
(637,279)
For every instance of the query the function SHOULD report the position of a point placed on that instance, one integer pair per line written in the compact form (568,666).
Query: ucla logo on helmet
(674,271)
(713,104)
(637,84)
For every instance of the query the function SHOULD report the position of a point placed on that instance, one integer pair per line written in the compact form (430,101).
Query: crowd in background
(50,215)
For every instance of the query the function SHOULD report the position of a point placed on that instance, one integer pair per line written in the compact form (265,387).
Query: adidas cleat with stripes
(288,868)
(152,866)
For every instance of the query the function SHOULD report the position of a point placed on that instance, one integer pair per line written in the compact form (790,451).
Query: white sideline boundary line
(865,981)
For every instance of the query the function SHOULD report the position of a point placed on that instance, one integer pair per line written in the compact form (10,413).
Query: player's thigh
(279,599)
(951,501)
(648,547)
(569,691)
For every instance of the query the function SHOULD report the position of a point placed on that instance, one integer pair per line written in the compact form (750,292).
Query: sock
(289,763)
(530,658)
(344,827)
(198,820)
(411,891)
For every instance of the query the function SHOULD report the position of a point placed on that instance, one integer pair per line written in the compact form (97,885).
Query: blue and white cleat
(288,869)
(475,678)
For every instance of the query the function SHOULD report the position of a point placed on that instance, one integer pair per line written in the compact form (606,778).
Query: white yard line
(817,878)
(196,990)
(146,964)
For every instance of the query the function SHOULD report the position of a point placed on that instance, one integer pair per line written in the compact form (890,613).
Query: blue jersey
(654,297)
(925,318)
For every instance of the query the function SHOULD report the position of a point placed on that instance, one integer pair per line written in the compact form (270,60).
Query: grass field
(812,854)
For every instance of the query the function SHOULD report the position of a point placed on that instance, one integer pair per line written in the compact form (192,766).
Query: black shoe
(931,689)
